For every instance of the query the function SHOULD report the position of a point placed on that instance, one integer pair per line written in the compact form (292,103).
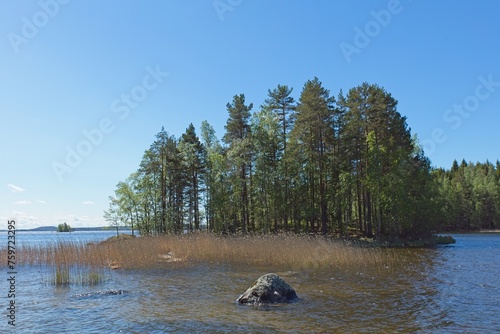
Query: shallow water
(447,289)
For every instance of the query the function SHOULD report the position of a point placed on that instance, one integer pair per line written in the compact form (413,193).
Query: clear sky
(86,85)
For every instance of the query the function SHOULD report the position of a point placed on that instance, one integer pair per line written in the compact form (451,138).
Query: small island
(63,228)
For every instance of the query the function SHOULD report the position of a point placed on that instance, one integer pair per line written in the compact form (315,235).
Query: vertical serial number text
(11,272)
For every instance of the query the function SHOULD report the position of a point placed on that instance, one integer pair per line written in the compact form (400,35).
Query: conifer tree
(280,103)
(314,130)
(238,138)
(192,154)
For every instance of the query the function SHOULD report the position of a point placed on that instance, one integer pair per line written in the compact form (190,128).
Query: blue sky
(101,78)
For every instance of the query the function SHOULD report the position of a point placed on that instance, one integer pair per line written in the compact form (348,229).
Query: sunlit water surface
(452,289)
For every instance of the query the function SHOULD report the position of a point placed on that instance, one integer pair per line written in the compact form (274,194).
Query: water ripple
(452,289)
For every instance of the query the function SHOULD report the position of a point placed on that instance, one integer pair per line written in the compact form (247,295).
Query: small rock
(97,293)
(268,289)
(169,257)
(114,265)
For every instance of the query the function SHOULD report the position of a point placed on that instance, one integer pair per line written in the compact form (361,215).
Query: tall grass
(283,250)
(70,262)
(87,263)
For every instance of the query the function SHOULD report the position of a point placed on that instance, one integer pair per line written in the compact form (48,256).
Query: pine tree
(314,130)
(283,106)
(381,153)
(192,153)
(267,186)
(238,138)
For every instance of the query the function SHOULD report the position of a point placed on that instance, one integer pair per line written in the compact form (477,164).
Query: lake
(448,289)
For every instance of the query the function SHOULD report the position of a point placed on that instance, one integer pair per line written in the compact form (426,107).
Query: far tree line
(322,164)
(470,196)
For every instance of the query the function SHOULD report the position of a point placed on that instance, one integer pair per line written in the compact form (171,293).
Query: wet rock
(114,265)
(99,293)
(169,257)
(268,289)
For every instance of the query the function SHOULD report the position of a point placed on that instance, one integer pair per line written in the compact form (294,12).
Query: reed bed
(292,251)
(87,263)
(70,262)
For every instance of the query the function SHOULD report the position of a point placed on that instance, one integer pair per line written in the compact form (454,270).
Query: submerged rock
(98,293)
(268,289)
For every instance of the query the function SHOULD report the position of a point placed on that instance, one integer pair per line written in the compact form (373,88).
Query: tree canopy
(63,227)
(318,164)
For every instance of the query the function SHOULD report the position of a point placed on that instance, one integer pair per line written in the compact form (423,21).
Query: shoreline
(430,242)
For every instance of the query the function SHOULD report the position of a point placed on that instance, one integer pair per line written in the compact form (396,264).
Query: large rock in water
(268,289)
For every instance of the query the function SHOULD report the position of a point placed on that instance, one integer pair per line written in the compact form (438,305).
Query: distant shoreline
(73,229)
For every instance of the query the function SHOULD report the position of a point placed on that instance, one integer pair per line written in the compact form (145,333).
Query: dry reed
(70,262)
(86,263)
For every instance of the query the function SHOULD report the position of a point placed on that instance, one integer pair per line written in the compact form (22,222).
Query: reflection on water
(447,289)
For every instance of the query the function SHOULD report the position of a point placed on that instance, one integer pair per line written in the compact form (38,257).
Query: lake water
(449,289)
(43,238)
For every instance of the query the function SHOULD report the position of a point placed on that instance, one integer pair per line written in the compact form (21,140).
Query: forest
(339,165)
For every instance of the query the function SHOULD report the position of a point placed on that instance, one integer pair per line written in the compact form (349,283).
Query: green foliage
(62,276)
(238,137)
(63,228)
(470,193)
(322,164)
(66,275)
